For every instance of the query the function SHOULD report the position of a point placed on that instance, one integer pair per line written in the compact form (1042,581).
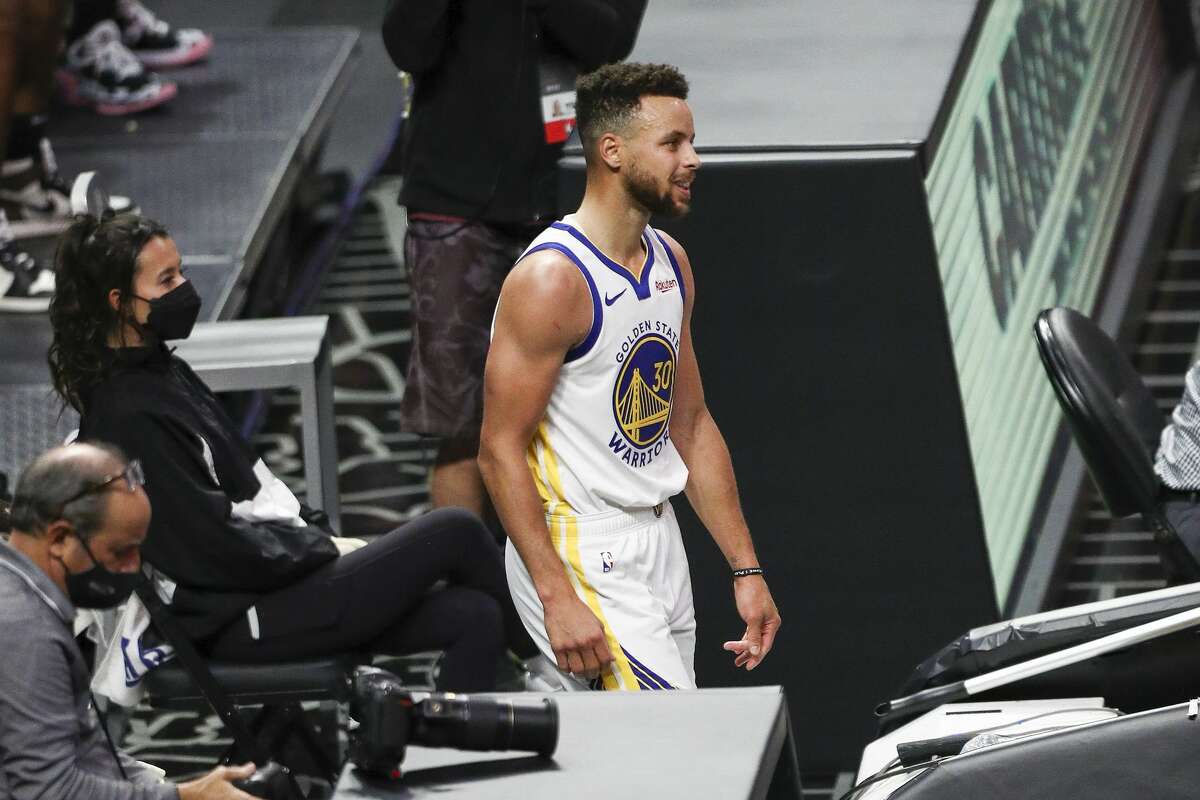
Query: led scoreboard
(1025,189)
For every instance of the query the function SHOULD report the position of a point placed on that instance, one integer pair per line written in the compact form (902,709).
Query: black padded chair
(275,690)
(1115,421)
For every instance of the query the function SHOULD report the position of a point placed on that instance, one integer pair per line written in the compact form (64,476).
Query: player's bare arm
(544,310)
(712,488)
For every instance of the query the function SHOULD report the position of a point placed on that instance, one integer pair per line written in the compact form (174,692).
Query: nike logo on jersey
(608,301)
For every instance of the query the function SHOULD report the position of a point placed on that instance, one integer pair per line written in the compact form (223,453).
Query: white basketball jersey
(605,441)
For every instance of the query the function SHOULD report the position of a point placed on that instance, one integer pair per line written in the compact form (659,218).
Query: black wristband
(741,573)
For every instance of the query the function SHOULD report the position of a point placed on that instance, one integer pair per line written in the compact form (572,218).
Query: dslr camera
(385,718)
(273,781)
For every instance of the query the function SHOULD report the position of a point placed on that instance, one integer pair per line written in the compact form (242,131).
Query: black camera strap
(195,667)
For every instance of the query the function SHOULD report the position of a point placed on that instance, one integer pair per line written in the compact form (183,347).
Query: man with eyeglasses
(78,519)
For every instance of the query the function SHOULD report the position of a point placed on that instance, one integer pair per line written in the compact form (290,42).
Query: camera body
(273,781)
(385,717)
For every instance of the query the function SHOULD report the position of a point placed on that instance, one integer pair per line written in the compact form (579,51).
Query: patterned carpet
(382,471)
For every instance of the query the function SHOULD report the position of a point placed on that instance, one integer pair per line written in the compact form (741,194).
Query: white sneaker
(101,72)
(157,44)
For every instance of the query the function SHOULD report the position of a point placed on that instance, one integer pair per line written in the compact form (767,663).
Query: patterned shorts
(456,271)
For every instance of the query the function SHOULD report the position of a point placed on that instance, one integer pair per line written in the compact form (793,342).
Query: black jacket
(474,145)
(154,408)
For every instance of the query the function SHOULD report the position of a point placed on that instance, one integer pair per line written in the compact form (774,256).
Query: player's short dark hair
(607,98)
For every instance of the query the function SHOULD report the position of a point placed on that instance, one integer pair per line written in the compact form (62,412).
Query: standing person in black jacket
(493,102)
(256,577)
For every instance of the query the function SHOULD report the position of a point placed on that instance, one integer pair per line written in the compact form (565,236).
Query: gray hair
(57,475)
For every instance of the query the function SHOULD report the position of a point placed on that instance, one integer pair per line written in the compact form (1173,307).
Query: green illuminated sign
(1025,193)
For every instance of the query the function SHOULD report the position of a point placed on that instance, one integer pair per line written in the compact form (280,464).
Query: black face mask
(98,587)
(173,315)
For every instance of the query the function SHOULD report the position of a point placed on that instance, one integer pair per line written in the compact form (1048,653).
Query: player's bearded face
(661,159)
(657,193)
(652,193)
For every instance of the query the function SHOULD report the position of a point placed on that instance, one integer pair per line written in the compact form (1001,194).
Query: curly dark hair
(94,257)
(607,98)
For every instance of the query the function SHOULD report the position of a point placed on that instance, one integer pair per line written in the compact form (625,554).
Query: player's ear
(610,147)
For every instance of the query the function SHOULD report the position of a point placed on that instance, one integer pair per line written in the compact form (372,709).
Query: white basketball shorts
(630,568)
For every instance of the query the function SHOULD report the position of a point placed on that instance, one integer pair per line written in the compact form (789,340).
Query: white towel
(122,658)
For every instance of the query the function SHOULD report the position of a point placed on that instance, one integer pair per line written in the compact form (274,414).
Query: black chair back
(1112,415)
(1114,419)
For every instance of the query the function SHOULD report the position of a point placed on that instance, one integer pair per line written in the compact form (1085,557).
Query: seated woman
(256,577)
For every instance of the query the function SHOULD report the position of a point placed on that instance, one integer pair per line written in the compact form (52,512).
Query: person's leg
(355,599)
(21,173)
(36,197)
(455,480)
(1184,517)
(24,285)
(456,270)
(10,49)
(86,14)
(43,38)
(676,583)
(529,607)
(465,624)
(623,573)
(614,575)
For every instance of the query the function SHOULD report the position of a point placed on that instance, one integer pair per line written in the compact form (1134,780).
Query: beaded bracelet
(741,573)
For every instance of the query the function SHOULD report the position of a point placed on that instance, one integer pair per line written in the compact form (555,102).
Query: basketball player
(594,414)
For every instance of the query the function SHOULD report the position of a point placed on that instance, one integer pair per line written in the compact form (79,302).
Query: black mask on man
(99,587)
(173,315)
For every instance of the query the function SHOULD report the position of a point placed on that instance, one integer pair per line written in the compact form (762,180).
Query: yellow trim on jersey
(536,470)
(620,676)
(560,506)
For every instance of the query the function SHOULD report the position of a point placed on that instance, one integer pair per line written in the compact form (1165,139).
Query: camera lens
(484,723)
(534,727)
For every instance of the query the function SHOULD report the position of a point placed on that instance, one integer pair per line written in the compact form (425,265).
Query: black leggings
(380,599)
(87,13)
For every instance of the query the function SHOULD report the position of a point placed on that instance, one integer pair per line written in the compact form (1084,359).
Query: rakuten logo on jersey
(665,286)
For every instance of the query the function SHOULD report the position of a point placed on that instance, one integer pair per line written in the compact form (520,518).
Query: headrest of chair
(283,681)
(1113,416)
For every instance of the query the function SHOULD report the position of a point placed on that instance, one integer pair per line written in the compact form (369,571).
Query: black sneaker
(30,208)
(157,44)
(101,72)
(24,286)
(37,199)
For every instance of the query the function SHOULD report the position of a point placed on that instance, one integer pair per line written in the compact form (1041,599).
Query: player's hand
(216,785)
(757,610)
(577,638)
